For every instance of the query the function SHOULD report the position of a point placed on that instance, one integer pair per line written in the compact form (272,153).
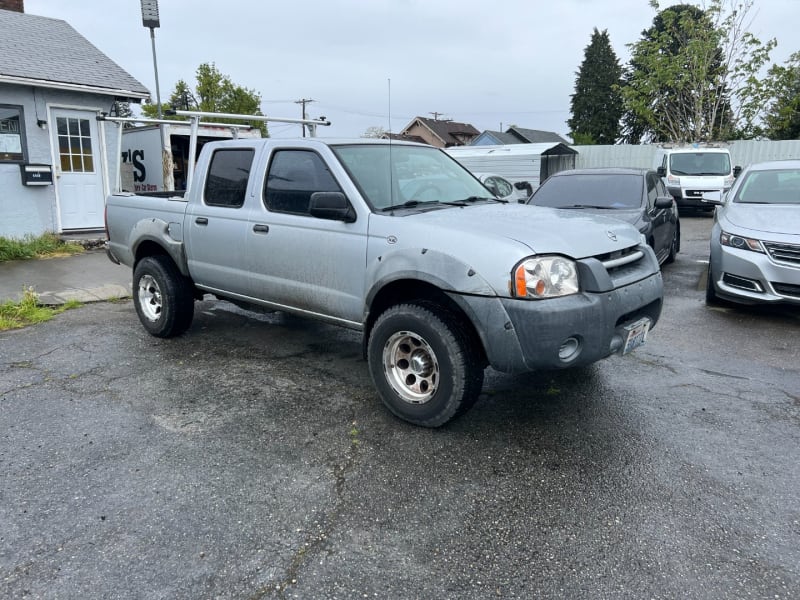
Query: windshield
(397,175)
(779,186)
(600,190)
(700,163)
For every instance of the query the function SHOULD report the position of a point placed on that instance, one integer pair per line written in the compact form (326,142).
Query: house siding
(29,210)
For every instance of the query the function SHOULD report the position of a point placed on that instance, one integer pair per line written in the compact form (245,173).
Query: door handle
(258,228)
(201,221)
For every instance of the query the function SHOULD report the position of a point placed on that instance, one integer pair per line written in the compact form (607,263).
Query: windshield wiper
(417,203)
(587,206)
(484,198)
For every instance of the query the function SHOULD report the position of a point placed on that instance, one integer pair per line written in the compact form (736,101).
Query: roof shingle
(45,49)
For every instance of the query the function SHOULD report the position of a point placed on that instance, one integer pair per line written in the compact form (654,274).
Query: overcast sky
(491,63)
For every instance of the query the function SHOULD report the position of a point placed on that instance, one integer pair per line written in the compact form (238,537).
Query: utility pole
(304,101)
(436,115)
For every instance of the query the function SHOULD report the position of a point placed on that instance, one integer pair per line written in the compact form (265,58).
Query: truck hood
(576,234)
(763,218)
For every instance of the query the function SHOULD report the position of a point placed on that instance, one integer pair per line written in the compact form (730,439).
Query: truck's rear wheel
(162,297)
(426,369)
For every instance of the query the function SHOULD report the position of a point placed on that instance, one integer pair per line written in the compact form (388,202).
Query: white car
(501,187)
(755,241)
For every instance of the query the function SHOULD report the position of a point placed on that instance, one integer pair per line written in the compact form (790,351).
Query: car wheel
(674,246)
(711,294)
(162,296)
(426,368)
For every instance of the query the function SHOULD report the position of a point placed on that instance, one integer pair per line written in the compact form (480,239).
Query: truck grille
(620,259)
(623,267)
(784,253)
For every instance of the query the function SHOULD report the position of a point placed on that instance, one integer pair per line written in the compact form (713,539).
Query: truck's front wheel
(425,367)
(162,297)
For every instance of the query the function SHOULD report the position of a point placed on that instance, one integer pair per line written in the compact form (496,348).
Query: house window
(12,134)
(75,145)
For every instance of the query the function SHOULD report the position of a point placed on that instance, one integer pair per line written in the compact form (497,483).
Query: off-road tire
(425,366)
(162,296)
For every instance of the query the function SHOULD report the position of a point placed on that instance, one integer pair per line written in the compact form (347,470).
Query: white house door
(81,198)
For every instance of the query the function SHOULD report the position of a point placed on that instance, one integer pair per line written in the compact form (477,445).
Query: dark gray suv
(637,196)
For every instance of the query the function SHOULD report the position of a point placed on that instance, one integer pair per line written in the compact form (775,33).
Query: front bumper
(528,335)
(750,277)
(691,197)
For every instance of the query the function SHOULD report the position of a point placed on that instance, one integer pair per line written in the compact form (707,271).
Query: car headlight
(545,277)
(673,180)
(739,242)
(729,181)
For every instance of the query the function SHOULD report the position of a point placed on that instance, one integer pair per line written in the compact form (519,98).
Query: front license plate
(637,334)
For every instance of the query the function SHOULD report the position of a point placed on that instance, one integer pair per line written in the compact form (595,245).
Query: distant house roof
(494,138)
(403,138)
(451,133)
(43,52)
(535,136)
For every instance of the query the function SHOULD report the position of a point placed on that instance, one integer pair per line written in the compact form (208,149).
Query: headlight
(673,180)
(545,277)
(739,242)
(729,181)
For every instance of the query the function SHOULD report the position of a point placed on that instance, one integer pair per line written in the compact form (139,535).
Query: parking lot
(251,458)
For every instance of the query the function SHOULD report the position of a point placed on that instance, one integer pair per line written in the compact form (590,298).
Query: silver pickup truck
(398,241)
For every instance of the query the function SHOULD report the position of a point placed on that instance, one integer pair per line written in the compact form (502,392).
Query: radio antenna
(391,174)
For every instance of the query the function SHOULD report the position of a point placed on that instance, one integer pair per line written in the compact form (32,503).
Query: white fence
(743,153)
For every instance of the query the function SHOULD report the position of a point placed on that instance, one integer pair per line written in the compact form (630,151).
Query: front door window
(75,145)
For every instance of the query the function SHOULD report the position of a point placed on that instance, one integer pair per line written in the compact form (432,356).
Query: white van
(690,170)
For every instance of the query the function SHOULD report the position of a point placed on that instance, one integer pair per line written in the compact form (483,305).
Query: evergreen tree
(596,105)
(693,75)
(783,116)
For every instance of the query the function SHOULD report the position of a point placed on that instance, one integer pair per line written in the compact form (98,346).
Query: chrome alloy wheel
(410,367)
(150,299)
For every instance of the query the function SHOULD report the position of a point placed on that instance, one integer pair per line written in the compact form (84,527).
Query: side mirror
(331,205)
(526,186)
(664,202)
(662,172)
(713,198)
(737,171)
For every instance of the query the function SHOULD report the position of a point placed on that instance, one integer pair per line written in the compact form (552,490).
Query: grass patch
(47,244)
(14,315)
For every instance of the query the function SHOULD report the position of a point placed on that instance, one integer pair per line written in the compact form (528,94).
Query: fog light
(569,350)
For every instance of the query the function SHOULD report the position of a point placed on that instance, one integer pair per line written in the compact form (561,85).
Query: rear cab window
(228,174)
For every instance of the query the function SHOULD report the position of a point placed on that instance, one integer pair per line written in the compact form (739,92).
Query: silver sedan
(755,241)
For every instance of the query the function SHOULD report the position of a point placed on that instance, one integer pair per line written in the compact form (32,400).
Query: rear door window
(228,173)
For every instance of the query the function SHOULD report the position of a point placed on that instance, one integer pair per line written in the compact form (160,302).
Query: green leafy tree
(214,92)
(596,105)
(782,120)
(693,76)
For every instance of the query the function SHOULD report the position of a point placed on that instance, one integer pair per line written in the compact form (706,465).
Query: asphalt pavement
(86,277)
(251,458)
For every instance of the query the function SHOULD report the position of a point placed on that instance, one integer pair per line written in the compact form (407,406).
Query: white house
(54,167)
